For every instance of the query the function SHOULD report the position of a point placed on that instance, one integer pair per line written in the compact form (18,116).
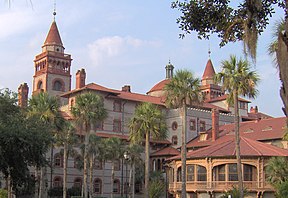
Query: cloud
(15,22)
(107,48)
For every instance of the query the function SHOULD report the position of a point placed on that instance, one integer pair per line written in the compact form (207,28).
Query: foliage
(55,192)
(282,189)
(28,134)
(277,171)
(3,193)
(243,22)
(234,192)
(74,191)
(156,189)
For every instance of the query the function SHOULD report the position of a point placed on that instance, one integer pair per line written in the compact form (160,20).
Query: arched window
(174,126)
(201,173)
(174,140)
(57,182)
(57,86)
(77,182)
(97,186)
(179,175)
(97,164)
(58,160)
(116,186)
(40,85)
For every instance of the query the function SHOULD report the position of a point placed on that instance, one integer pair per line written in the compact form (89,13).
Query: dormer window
(203,137)
(268,128)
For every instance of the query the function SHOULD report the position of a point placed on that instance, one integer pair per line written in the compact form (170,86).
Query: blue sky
(119,43)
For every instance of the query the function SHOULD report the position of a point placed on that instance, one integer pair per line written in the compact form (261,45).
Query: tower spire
(54,10)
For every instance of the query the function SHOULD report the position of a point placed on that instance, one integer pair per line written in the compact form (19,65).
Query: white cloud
(106,48)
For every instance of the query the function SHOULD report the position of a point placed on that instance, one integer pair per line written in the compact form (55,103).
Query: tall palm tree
(147,121)
(237,80)
(45,108)
(114,152)
(67,138)
(93,151)
(134,152)
(88,109)
(183,90)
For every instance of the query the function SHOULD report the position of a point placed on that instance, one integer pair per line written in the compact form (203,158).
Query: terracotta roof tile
(167,151)
(53,37)
(224,97)
(209,71)
(159,86)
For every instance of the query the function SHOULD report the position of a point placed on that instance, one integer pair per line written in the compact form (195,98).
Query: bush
(55,192)
(3,193)
(74,192)
(156,189)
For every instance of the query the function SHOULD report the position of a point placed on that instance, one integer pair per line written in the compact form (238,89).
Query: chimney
(23,91)
(215,124)
(126,88)
(80,78)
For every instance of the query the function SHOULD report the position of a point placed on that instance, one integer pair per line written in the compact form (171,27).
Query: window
(138,187)
(117,106)
(179,174)
(248,172)
(201,173)
(99,125)
(192,125)
(97,164)
(57,86)
(221,172)
(202,126)
(232,172)
(126,188)
(174,140)
(58,160)
(97,186)
(117,125)
(116,186)
(40,85)
(174,125)
(57,182)
(116,165)
(78,162)
(203,136)
(190,173)
(242,105)
(77,183)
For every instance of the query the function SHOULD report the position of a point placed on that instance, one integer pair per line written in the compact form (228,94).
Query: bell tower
(52,66)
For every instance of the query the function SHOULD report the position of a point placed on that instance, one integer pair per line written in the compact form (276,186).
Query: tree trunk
(9,186)
(130,179)
(51,164)
(85,168)
(237,144)
(147,164)
(133,180)
(65,158)
(183,151)
(41,182)
(91,175)
(36,183)
(112,179)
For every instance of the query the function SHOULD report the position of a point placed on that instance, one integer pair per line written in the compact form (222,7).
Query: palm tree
(183,90)
(147,121)
(45,108)
(134,152)
(66,137)
(114,152)
(237,79)
(88,109)
(93,151)
(277,170)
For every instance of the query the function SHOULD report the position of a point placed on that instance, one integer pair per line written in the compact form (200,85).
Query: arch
(58,84)
(174,125)
(77,182)
(57,181)
(97,186)
(40,84)
(179,178)
(116,186)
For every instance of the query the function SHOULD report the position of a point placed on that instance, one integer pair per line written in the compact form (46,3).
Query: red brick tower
(52,66)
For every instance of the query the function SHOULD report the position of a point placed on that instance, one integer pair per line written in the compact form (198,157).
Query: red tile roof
(53,37)
(209,71)
(224,97)
(167,151)
(262,130)
(225,147)
(159,86)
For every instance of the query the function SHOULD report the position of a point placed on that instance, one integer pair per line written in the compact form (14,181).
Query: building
(52,74)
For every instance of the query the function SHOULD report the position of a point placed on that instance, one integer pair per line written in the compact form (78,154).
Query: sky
(120,43)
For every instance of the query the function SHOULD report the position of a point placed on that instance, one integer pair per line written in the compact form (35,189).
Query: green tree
(244,21)
(277,170)
(88,109)
(234,193)
(147,121)
(30,136)
(237,79)
(67,138)
(183,90)
(114,152)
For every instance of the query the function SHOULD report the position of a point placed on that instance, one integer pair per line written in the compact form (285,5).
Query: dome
(157,90)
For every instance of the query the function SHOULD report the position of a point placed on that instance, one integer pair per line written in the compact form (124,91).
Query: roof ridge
(251,146)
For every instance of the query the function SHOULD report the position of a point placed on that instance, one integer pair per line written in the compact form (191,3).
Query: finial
(209,50)
(54,11)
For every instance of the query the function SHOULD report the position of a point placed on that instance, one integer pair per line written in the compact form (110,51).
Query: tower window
(57,86)
(40,85)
